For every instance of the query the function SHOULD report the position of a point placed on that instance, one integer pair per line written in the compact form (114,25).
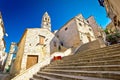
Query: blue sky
(21,14)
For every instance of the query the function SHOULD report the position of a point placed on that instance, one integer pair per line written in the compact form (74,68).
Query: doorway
(31,60)
(89,39)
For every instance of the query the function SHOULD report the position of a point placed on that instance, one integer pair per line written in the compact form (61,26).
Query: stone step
(107,62)
(99,64)
(117,51)
(98,74)
(104,58)
(110,52)
(101,50)
(88,68)
(34,79)
(44,77)
(70,77)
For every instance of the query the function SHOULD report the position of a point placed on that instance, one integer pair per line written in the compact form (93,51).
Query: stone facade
(85,31)
(46,21)
(10,56)
(3,55)
(35,46)
(30,45)
(17,63)
(113,11)
(75,32)
(111,28)
(98,31)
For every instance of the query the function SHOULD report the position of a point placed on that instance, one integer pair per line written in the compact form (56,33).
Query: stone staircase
(99,64)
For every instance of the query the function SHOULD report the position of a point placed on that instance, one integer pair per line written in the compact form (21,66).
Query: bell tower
(46,21)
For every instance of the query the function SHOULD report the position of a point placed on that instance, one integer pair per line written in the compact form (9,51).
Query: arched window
(45,18)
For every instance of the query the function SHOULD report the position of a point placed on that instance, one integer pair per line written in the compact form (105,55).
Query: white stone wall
(27,74)
(67,52)
(2,43)
(46,21)
(84,29)
(32,46)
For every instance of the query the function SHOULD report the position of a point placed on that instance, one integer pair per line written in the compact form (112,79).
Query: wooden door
(31,60)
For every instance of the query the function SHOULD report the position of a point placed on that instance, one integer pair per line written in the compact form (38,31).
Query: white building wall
(2,43)
(84,29)
(32,46)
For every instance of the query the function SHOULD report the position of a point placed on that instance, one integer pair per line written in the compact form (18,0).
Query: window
(66,28)
(42,40)
(80,24)
(90,29)
(45,18)
(61,43)
(29,44)
(57,36)
(59,48)
(87,21)
(78,19)
(55,44)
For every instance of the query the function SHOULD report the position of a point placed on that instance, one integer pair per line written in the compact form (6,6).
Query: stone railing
(62,54)
(26,75)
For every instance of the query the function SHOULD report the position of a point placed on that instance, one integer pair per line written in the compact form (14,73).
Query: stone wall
(113,11)
(91,46)
(10,56)
(97,30)
(27,74)
(67,52)
(94,26)
(54,45)
(75,32)
(30,46)
(3,55)
(17,63)
(85,31)
(68,34)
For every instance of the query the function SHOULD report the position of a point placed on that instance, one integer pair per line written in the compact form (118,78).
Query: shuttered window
(42,40)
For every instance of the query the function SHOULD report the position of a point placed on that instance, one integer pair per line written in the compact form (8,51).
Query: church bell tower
(46,21)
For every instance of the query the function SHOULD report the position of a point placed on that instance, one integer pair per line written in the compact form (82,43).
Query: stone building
(113,11)
(46,21)
(39,44)
(75,32)
(10,56)
(2,44)
(35,46)
(111,28)
(98,31)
